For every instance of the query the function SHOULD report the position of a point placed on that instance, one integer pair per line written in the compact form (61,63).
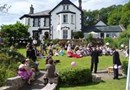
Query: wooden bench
(52,84)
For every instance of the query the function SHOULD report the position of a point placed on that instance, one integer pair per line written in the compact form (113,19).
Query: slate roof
(38,14)
(116,28)
(102,27)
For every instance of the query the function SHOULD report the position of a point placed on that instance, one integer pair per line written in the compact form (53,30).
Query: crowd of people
(76,51)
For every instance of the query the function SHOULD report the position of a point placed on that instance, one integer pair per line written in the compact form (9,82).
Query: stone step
(50,86)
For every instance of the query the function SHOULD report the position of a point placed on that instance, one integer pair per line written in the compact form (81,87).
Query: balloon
(73,64)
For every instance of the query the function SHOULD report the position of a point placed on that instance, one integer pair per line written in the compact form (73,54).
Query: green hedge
(75,76)
(125,66)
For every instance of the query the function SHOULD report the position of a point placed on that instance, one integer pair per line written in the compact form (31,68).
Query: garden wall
(13,83)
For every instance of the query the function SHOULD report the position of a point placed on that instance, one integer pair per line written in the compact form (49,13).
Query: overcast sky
(20,7)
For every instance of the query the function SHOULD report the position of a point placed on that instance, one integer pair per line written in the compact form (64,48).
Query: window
(107,35)
(65,18)
(28,21)
(67,7)
(46,22)
(36,22)
(72,19)
(63,7)
(58,19)
(65,34)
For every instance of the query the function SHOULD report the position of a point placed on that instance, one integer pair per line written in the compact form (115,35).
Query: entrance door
(46,34)
(102,35)
(36,35)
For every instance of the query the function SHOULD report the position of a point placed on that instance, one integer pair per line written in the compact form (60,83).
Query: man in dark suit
(94,59)
(116,63)
(33,53)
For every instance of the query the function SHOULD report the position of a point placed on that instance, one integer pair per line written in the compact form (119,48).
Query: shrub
(3,75)
(15,56)
(78,35)
(75,76)
(9,62)
(125,66)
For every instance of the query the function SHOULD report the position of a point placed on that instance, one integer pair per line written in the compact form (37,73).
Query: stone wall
(96,78)
(13,83)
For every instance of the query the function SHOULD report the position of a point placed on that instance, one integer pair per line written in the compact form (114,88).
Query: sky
(17,8)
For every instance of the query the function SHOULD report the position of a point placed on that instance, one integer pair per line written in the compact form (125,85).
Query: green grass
(104,85)
(104,63)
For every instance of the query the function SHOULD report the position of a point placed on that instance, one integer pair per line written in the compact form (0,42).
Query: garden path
(108,76)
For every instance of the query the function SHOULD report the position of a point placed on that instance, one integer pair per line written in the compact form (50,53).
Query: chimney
(31,9)
(80,4)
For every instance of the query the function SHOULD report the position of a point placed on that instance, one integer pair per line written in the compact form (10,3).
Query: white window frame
(65,18)
(46,22)
(72,19)
(36,22)
(65,34)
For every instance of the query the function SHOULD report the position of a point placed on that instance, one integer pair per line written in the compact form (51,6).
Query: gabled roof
(102,27)
(66,2)
(100,23)
(38,14)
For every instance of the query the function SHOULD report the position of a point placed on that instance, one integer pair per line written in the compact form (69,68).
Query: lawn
(104,63)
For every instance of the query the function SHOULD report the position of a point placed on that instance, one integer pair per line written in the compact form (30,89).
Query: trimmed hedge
(75,76)
(125,66)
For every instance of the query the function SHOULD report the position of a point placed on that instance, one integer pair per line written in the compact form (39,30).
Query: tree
(125,19)
(115,16)
(90,17)
(16,31)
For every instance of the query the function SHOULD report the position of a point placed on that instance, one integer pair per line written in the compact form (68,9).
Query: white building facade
(58,23)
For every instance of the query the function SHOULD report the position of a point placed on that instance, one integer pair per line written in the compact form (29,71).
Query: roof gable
(100,23)
(65,2)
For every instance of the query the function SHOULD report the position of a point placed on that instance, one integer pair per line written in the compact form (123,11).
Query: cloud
(20,7)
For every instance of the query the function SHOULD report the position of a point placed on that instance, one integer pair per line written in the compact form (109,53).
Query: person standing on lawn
(116,63)
(94,59)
